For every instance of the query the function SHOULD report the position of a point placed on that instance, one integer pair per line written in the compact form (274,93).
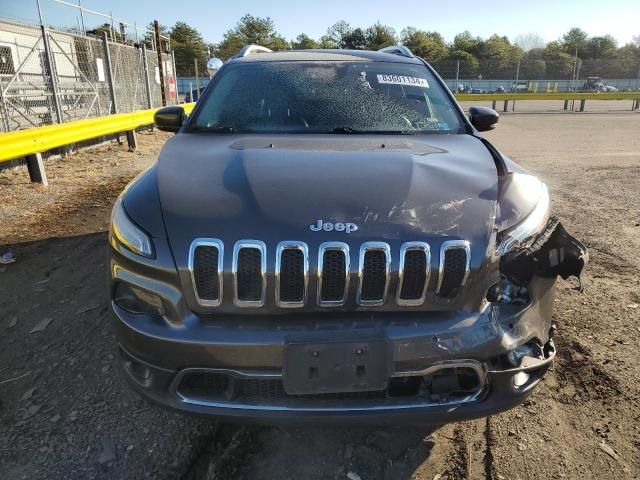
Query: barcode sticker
(403,80)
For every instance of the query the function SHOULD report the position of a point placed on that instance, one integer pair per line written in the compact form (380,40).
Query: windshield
(326,97)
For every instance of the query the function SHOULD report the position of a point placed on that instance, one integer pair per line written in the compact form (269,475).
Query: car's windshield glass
(326,97)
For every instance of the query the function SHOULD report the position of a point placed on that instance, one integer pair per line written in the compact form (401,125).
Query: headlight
(518,235)
(127,233)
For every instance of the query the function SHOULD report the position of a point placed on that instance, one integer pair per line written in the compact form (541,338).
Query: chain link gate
(49,77)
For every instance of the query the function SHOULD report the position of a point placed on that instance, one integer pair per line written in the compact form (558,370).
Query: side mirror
(169,119)
(213,65)
(483,118)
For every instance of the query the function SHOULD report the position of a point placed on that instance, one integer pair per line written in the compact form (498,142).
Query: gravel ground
(66,412)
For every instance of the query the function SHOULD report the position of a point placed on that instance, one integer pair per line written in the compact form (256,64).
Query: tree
(465,42)
(149,38)
(468,63)
(304,42)
(499,57)
(529,41)
(187,45)
(559,63)
(355,40)
(533,65)
(112,35)
(575,40)
(337,34)
(599,47)
(380,36)
(628,58)
(327,42)
(251,30)
(429,45)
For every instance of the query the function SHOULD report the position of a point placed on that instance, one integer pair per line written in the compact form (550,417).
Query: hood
(273,187)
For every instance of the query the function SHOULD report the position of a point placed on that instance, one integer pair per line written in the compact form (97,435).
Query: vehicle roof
(326,56)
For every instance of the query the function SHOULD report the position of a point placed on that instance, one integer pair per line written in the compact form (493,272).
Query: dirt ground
(65,411)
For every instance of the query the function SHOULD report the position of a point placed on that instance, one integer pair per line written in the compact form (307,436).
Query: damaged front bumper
(443,366)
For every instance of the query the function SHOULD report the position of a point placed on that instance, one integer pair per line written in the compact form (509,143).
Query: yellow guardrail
(22,143)
(474,97)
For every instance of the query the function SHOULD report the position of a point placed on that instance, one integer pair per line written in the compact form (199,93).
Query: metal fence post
(513,104)
(112,88)
(52,74)
(175,73)
(35,165)
(147,83)
(195,66)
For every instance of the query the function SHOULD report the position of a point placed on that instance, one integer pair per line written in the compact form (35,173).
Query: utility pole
(156,28)
(84,30)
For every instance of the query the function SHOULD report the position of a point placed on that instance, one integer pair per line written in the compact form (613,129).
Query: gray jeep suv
(328,237)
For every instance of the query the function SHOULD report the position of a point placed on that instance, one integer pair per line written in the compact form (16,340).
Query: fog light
(137,370)
(136,300)
(520,379)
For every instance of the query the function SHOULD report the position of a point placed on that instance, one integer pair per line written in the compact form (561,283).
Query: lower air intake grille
(414,275)
(292,275)
(374,275)
(205,271)
(453,385)
(249,275)
(454,271)
(333,276)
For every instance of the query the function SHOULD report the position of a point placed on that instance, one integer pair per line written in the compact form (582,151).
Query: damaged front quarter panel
(554,252)
(530,241)
(533,250)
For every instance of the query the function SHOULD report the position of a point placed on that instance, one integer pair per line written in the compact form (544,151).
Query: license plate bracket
(335,367)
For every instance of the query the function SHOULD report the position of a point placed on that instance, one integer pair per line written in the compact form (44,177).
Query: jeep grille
(249,273)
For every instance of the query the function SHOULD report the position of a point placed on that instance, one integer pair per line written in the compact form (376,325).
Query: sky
(548,18)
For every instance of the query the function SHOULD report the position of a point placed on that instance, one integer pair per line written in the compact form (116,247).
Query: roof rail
(398,50)
(249,49)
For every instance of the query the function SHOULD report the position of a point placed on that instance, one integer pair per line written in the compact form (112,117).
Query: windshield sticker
(402,80)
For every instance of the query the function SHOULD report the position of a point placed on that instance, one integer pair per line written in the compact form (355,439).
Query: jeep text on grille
(338,227)
(329,237)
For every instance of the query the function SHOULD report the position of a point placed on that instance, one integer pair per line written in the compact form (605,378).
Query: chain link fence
(49,76)
(543,75)
(485,76)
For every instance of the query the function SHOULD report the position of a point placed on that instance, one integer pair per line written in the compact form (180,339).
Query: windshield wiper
(343,130)
(349,130)
(221,129)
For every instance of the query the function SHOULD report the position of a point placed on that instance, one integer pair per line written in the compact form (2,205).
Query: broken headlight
(128,234)
(524,232)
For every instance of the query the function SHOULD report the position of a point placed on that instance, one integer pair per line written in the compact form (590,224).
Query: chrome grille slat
(292,279)
(249,273)
(373,273)
(453,271)
(249,282)
(326,296)
(209,298)
(412,277)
